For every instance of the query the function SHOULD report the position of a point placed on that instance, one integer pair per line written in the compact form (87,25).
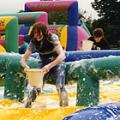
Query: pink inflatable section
(49,5)
(2,42)
(21,40)
(82,35)
(43,18)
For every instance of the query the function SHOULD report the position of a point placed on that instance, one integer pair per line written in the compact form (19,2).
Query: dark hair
(40,27)
(98,32)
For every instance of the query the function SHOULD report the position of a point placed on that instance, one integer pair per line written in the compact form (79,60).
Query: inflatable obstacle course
(87,73)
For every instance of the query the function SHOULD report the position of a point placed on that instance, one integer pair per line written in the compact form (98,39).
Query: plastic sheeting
(103,112)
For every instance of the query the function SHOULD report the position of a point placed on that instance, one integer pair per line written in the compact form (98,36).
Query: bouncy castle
(70,35)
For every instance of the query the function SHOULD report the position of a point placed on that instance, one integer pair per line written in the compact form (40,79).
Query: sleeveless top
(45,47)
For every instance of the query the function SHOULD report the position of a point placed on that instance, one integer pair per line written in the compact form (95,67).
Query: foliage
(87,20)
(108,9)
(20,11)
(57,17)
(88,25)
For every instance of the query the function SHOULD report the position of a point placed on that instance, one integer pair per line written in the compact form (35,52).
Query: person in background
(52,58)
(99,42)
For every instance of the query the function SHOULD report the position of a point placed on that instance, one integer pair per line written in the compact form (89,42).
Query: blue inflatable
(103,112)
(78,55)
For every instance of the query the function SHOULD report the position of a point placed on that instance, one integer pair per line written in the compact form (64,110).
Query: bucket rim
(34,70)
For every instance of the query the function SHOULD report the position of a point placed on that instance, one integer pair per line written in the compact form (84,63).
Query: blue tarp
(78,55)
(109,111)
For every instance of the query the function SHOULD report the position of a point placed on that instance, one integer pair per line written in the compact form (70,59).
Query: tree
(83,19)
(108,9)
(57,17)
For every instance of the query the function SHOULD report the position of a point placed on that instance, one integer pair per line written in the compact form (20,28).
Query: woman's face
(38,35)
(98,39)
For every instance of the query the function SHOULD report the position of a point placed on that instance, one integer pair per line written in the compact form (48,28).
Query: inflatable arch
(10,25)
(27,18)
(70,6)
(71,35)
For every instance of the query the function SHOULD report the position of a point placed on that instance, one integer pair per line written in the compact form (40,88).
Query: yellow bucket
(87,45)
(35,77)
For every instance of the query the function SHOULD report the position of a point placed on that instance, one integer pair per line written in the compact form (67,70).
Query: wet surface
(46,106)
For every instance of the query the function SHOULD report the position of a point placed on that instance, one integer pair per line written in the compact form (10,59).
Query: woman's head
(98,34)
(39,31)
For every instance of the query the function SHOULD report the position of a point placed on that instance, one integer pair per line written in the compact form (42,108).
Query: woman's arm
(24,59)
(61,56)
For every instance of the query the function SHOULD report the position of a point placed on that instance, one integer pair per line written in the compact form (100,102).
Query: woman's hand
(46,69)
(26,68)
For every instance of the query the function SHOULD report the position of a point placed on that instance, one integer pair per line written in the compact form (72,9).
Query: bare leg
(63,96)
(32,97)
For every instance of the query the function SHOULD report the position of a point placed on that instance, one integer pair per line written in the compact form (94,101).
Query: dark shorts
(56,74)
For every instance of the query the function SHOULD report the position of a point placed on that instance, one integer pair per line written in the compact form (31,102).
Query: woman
(52,57)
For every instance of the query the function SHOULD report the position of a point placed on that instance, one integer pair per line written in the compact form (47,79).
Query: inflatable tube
(78,55)
(29,18)
(88,72)
(14,77)
(109,111)
(10,25)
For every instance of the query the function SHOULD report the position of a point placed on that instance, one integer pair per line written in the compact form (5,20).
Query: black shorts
(56,74)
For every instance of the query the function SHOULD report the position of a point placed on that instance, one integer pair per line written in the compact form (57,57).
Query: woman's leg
(32,95)
(59,75)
